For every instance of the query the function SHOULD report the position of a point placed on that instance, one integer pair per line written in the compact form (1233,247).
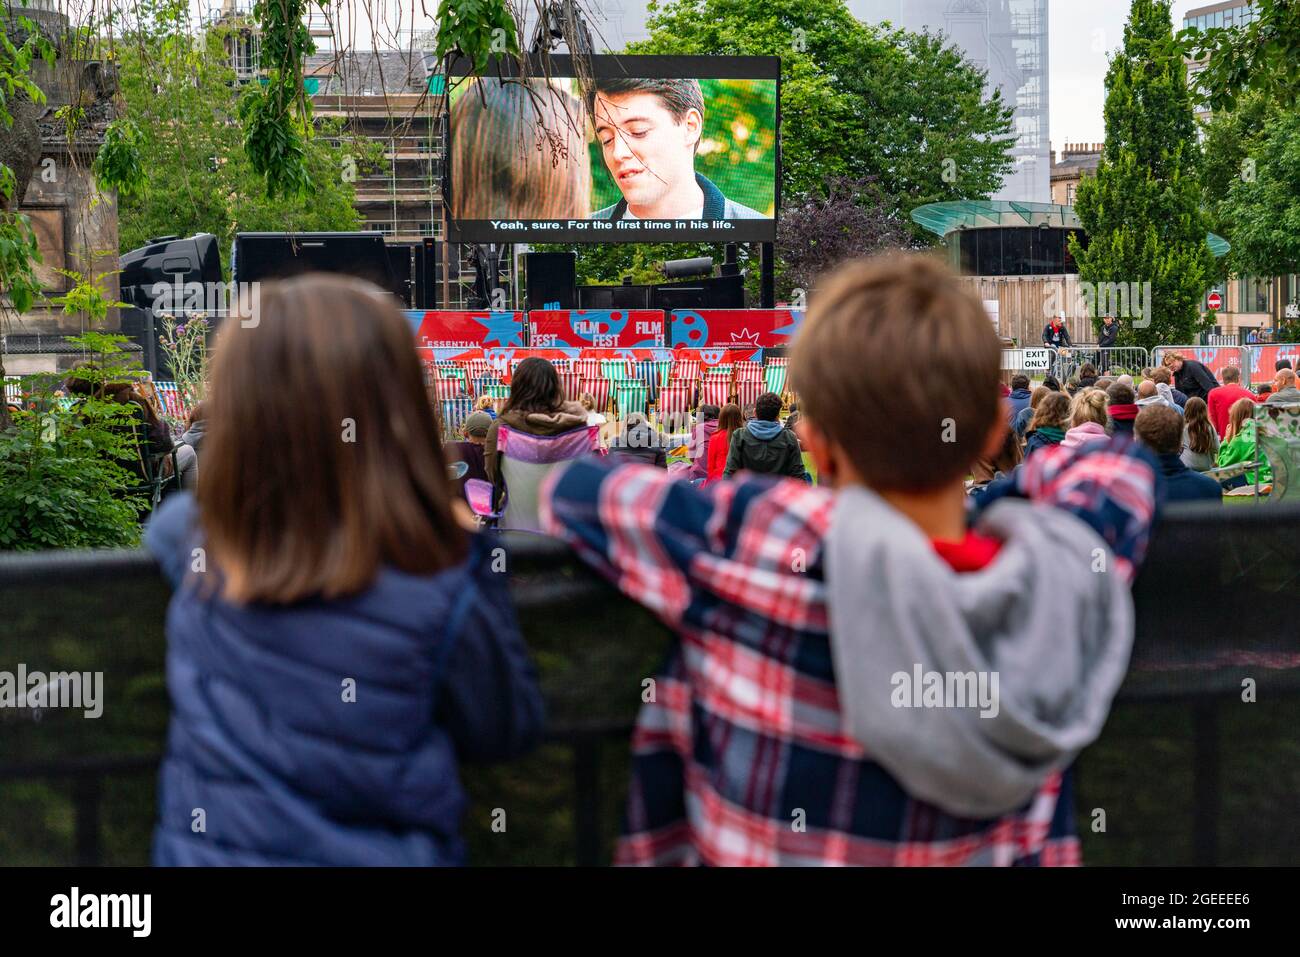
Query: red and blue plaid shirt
(741,758)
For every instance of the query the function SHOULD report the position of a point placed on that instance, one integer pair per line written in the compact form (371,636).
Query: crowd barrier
(1197,764)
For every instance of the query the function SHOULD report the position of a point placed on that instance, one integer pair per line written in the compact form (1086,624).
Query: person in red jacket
(1221,399)
(729,419)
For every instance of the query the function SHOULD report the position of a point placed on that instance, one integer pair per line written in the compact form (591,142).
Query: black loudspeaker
(551,278)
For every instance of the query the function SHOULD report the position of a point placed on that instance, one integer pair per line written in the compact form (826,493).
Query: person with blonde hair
(1088,419)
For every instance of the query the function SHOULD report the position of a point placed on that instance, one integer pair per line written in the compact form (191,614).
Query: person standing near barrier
(1225,396)
(337,641)
(1162,376)
(1191,378)
(1107,335)
(1056,335)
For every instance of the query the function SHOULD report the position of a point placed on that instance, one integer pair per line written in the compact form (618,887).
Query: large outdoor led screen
(645,149)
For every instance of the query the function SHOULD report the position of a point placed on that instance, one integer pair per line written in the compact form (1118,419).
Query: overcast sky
(1083,33)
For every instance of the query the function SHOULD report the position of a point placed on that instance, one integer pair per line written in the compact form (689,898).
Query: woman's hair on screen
(519,151)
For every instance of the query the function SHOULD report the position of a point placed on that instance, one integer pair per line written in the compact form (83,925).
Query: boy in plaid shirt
(801,717)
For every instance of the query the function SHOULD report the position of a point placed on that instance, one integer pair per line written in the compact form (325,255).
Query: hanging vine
(275,112)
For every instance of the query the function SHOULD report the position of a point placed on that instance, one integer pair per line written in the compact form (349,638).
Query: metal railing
(1185,770)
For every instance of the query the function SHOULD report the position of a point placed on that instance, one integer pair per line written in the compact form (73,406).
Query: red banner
(742,329)
(599,328)
(444,328)
(1263,360)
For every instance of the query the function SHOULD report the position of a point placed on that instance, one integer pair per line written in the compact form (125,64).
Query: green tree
(1260,57)
(1263,206)
(182,106)
(1142,211)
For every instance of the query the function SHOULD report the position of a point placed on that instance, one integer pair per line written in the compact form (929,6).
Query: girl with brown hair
(1200,440)
(1049,423)
(337,641)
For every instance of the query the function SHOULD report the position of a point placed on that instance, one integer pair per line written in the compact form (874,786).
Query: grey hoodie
(1049,633)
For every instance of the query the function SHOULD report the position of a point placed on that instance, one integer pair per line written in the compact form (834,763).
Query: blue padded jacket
(330,732)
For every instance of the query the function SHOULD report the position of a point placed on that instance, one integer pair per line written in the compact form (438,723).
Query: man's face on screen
(649,155)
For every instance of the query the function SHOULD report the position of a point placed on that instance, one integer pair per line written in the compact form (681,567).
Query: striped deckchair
(454,413)
(774,376)
(722,371)
(674,400)
(629,397)
(587,368)
(686,370)
(654,372)
(477,368)
(571,382)
(482,385)
(599,389)
(749,371)
(497,391)
(449,388)
(617,370)
(169,396)
(748,391)
(714,391)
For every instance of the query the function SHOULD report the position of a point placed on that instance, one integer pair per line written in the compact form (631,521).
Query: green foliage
(186,349)
(119,164)
(276,113)
(19,253)
(88,296)
(1259,57)
(62,481)
(199,176)
(1263,208)
(476,29)
(1142,211)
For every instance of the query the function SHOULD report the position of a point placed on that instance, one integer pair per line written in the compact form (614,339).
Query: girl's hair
(505,135)
(1054,410)
(1087,371)
(1038,395)
(485,402)
(1200,431)
(729,419)
(326,462)
(1089,406)
(1242,411)
(587,401)
(534,387)
(197,414)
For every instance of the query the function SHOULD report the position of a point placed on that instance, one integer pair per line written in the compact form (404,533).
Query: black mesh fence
(1199,763)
